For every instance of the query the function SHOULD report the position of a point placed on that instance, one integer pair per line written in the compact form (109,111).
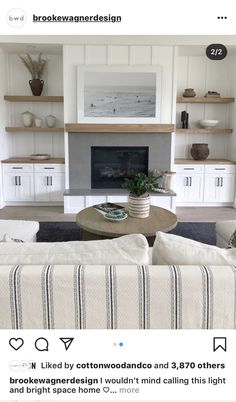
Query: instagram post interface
(117,202)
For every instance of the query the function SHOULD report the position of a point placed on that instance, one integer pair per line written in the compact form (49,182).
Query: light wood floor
(47,214)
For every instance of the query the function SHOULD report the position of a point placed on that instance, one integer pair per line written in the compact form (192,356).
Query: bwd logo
(16,18)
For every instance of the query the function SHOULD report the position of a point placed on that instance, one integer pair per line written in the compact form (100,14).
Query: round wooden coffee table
(94,226)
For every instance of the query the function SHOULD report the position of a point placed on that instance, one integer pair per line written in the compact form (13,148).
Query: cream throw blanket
(122,297)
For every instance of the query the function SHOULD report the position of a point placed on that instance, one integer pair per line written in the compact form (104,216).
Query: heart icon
(106,389)
(16,343)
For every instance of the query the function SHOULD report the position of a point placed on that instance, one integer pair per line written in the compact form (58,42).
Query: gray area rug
(69,231)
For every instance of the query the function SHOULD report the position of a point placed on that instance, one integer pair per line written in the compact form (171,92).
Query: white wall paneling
(24,144)
(95,55)
(118,55)
(140,55)
(204,75)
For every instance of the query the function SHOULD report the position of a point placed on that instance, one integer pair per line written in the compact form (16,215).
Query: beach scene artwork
(119,94)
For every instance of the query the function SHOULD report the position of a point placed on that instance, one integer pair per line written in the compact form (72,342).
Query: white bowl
(208,123)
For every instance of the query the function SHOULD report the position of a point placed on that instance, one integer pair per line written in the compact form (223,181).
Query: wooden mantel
(119,128)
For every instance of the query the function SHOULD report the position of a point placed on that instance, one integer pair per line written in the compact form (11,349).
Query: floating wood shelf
(120,128)
(29,160)
(13,98)
(204,162)
(35,129)
(203,99)
(204,130)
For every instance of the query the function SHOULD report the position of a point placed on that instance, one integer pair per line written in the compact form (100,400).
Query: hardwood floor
(53,214)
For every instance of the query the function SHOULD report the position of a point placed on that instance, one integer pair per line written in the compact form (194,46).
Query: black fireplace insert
(111,165)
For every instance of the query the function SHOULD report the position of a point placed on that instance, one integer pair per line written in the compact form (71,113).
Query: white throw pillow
(130,249)
(177,250)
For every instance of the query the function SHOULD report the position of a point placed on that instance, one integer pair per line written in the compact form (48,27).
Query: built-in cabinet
(32,182)
(49,182)
(18,182)
(189,183)
(204,184)
(219,183)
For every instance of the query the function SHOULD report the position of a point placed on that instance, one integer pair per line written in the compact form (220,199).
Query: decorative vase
(199,151)
(167,180)
(139,207)
(189,93)
(27,118)
(36,86)
(38,122)
(50,120)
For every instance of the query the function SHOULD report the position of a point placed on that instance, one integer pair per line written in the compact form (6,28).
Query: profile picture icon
(16,18)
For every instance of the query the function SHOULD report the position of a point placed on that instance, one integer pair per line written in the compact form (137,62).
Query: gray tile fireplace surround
(80,152)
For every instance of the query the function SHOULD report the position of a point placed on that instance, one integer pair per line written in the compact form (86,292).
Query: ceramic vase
(38,122)
(36,86)
(50,121)
(139,207)
(27,118)
(199,151)
(167,180)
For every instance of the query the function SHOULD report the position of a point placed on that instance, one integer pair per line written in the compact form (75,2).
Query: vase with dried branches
(36,68)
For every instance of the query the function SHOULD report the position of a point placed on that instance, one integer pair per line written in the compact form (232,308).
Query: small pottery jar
(27,118)
(189,93)
(38,122)
(50,121)
(199,151)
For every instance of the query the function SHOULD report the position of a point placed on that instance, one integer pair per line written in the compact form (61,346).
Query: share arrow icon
(67,342)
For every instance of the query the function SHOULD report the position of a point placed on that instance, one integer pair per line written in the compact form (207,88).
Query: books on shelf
(107,207)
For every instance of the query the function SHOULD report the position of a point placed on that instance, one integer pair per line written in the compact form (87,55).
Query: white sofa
(113,284)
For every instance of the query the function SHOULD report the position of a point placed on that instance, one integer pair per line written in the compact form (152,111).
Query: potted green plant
(36,68)
(139,198)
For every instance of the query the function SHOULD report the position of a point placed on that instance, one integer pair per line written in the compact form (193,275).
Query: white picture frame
(119,94)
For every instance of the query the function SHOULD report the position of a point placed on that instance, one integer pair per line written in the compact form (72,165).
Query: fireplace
(111,165)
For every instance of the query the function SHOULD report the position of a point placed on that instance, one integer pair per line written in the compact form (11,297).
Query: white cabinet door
(181,188)
(219,188)
(49,186)
(42,189)
(227,188)
(57,186)
(211,188)
(195,188)
(18,187)
(189,187)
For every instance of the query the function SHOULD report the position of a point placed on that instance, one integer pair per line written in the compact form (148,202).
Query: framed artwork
(118,95)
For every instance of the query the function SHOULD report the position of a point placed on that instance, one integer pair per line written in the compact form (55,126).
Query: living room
(178,63)
(51,143)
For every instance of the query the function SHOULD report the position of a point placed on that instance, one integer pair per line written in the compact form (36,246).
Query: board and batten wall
(4,138)
(24,144)
(117,55)
(232,145)
(204,75)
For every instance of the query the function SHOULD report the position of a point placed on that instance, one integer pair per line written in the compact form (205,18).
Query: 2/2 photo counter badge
(216,51)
